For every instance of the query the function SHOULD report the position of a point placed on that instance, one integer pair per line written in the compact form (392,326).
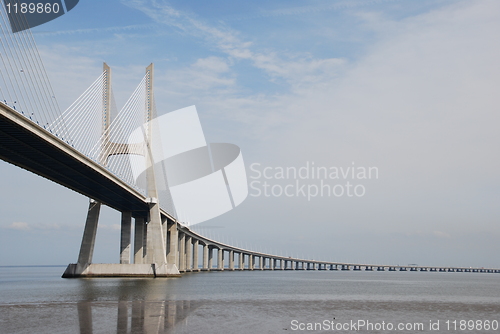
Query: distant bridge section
(218,257)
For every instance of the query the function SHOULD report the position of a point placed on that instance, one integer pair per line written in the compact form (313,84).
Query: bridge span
(192,252)
(243,259)
(27,145)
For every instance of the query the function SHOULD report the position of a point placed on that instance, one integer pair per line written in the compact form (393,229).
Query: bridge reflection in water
(138,316)
(142,307)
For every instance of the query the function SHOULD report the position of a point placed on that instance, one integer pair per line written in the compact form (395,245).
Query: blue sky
(410,87)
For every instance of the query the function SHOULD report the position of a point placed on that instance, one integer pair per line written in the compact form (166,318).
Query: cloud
(23,226)
(311,9)
(112,227)
(20,226)
(294,68)
(53,226)
(426,234)
(71,69)
(205,75)
(96,30)
(440,234)
(420,105)
(212,64)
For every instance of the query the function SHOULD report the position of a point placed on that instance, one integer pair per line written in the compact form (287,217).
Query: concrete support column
(220,259)
(251,259)
(210,258)
(195,255)
(173,243)
(231,260)
(145,242)
(139,240)
(89,233)
(241,261)
(156,252)
(262,263)
(189,253)
(281,265)
(205,257)
(126,233)
(182,251)
(272,263)
(164,229)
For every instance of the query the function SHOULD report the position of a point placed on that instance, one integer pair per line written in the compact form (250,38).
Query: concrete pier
(195,255)
(220,259)
(89,233)
(205,257)
(231,259)
(210,258)
(139,240)
(119,270)
(189,254)
(182,252)
(172,242)
(241,261)
(125,240)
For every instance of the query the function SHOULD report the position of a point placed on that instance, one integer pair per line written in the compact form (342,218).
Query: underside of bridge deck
(24,144)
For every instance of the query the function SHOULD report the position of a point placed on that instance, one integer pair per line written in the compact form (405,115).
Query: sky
(408,88)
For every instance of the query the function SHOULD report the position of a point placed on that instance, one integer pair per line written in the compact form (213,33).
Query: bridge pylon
(150,230)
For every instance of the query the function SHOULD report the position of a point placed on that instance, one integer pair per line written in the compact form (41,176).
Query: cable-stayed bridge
(108,155)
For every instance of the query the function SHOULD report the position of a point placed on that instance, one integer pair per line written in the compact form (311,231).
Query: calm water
(37,300)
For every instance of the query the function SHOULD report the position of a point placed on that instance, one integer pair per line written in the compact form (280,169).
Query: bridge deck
(25,144)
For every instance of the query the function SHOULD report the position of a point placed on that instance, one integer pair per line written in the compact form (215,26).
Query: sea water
(37,300)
